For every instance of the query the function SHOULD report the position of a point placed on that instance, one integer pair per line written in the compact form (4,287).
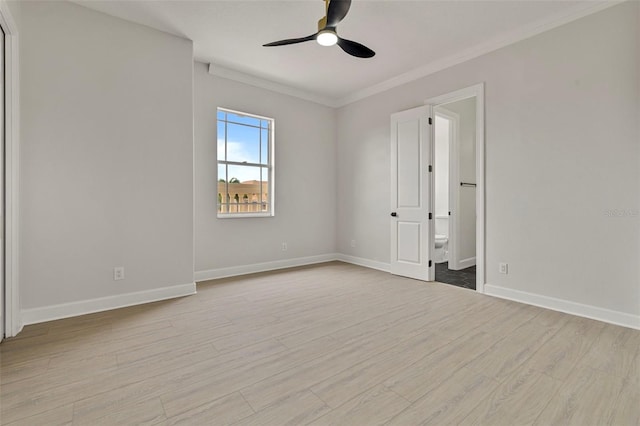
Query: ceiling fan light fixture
(327,38)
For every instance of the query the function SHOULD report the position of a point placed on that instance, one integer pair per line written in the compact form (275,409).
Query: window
(245,164)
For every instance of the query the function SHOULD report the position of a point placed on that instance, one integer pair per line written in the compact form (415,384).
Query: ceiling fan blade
(291,41)
(355,49)
(336,11)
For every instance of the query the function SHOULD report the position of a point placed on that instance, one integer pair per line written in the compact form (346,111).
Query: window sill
(242,215)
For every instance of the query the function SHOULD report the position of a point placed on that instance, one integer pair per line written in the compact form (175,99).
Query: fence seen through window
(245,166)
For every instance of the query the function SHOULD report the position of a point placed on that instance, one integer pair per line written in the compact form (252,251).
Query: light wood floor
(329,344)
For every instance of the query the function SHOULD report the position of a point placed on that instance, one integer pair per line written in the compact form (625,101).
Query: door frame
(12,321)
(454,164)
(477,91)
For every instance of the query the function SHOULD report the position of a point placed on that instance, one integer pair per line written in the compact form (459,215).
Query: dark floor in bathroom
(463,278)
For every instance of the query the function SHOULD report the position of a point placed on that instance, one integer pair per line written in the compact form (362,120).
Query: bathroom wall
(441,171)
(466,211)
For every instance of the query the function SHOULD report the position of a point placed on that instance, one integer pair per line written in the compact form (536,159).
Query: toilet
(441,254)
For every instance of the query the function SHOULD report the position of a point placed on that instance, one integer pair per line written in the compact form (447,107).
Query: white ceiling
(410,38)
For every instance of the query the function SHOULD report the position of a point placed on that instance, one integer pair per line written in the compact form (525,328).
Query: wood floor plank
(559,355)
(306,375)
(587,397)
(614,351)
(362,376)
(331,344)
(634,371)
(226,410)
(626,411)
(373,407)
(517,401)
(507,317)
(417,379)
(23,370)
(146,412)
(451,402)
(60,416)
(226,378)
(297,409)
(302,376)
(110,385)
(510,352)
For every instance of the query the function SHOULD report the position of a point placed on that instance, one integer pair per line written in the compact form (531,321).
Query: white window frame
(270,168)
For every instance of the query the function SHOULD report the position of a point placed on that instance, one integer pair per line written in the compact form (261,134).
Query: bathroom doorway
(458,138)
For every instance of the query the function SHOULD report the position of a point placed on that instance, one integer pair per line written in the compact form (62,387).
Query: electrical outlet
(118,273)
(503,268)
(284,246)
(353,243)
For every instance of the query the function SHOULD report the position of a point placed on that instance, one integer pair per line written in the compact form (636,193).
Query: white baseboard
(83,307)
(233,271)
(466,263)
(367,263)
(462,264)
(587,311)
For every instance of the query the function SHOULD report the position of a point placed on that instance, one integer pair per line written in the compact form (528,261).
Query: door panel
(409,242)
(409,158)
(410,194)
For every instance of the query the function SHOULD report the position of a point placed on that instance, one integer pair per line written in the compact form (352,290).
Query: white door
(411,227)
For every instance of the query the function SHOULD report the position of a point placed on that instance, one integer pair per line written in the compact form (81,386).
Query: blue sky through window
(247,141)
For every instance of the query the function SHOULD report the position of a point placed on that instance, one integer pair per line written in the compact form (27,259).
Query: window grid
(264,202)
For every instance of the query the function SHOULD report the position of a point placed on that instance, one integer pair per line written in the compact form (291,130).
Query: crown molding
(523,33)
(252,80)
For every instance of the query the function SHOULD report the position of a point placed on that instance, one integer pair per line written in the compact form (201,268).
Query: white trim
(13,324)
(83,307)
(270,166)
(457,95)
(566,306)
(233,271)
(476,91)
(263,83)
(580,11)
(454,178)
(466,263)
(367,263)
(431,238)
(243,215)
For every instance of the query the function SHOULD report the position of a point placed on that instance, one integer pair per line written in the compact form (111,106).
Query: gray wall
(562,149)
(107,161)
(106,156)
(305,178)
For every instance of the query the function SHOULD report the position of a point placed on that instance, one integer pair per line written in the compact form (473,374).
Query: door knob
(394,214)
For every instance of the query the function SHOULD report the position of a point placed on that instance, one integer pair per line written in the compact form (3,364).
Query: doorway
(454,196)
(423,234)
(458,187)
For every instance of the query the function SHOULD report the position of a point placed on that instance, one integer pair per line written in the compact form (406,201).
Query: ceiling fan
(336,10)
